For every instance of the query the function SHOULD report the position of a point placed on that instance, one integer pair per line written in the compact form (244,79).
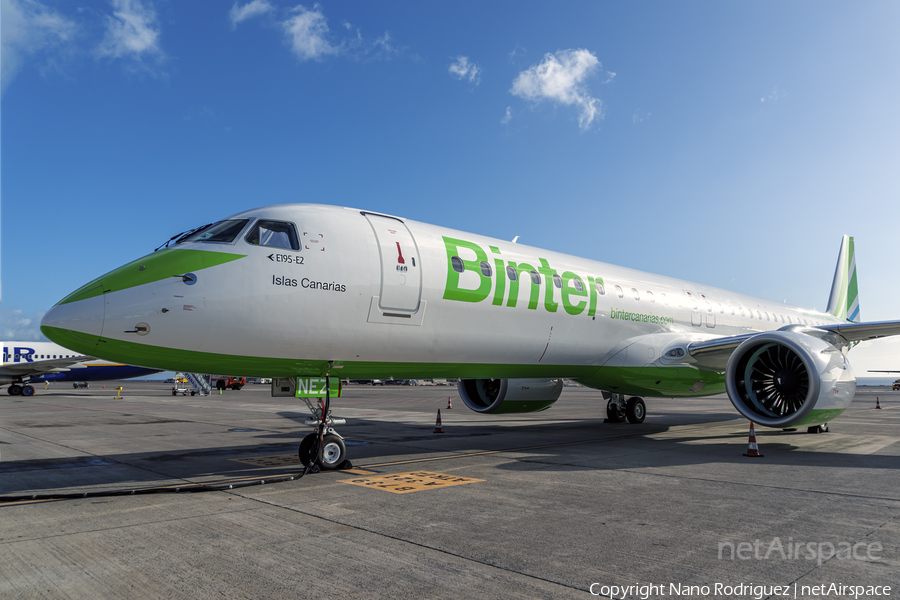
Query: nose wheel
(333,455)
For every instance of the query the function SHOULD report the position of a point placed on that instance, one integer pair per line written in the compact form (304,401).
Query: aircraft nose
(78,316)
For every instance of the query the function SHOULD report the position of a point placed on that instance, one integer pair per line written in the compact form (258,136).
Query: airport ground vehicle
(224,382)
(896,385)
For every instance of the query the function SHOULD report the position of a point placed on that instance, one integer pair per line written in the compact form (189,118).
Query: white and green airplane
(301,291)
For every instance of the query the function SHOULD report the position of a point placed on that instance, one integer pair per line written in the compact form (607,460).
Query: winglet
(843,302)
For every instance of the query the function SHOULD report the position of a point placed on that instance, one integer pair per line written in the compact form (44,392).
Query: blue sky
(726,143)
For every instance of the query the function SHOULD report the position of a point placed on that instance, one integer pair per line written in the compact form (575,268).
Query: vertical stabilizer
(844,299)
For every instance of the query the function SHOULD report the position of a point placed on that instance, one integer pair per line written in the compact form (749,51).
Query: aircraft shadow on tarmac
(559,446)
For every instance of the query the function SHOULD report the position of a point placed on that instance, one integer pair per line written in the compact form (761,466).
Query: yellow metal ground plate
(414,481)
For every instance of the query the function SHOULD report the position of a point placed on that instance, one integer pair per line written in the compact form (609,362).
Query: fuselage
(371,295)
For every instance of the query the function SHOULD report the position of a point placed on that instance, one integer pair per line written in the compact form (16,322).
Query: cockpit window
(223,231)
(274,234)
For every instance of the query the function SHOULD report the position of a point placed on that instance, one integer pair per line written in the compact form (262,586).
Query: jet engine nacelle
(498,396)
(788,378)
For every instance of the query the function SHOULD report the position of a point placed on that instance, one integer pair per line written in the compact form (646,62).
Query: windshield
(223,231)
(275,234)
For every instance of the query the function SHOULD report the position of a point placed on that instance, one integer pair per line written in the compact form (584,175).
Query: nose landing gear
(325,449)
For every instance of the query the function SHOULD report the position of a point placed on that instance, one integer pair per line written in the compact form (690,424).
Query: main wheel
(635,410)
(14,390)
(28,390)
(333,452)
(613,413)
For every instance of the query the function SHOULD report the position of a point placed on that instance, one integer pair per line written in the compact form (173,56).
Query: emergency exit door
(401,279)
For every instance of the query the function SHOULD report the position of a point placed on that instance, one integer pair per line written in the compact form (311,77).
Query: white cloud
(463,69)
(132,32)
(248,11)
(560,78)
(775,95)
(639,116)
(17,326)
(307,31)
(507,117)
(27,27)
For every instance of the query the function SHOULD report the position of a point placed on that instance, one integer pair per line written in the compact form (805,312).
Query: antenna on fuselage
(515,239)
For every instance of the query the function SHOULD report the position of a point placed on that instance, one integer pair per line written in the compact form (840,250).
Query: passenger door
(401,279)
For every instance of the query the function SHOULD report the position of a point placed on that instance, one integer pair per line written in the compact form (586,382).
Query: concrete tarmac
(545,505)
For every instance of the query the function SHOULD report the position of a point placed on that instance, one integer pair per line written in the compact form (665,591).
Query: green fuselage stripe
(679,381)
(170,262)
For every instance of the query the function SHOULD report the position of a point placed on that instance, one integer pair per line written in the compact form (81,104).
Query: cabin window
(457,264)
(619,292)
(637,295)
(535,278)
(600,289)
(557,281)
(274,234)
(782,318)
(758,315)
(223,232)
(511,273)
(486,269)
(579,287)
(665,299)
(650,296)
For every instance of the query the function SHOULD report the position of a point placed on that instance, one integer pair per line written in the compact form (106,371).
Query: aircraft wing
(714,354)
(42,367)
(858,332)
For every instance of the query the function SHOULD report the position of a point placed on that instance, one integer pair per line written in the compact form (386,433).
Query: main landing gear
(618,409)
(17,390)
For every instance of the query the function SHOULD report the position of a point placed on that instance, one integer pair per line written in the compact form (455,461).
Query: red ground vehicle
(223,382)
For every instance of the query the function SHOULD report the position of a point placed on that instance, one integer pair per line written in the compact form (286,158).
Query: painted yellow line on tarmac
(280,460)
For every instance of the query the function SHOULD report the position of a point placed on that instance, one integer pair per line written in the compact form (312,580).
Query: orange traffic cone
(437,424)
(449,403)
(753,450)
(877,403)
